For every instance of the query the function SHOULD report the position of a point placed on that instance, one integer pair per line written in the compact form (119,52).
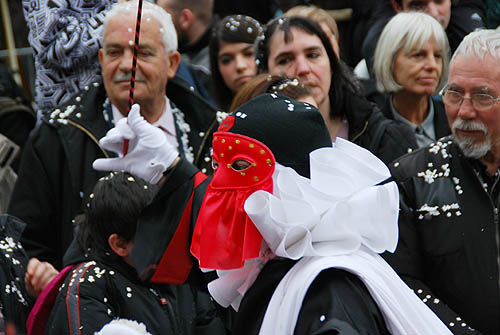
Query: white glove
(149,152)
(114,139)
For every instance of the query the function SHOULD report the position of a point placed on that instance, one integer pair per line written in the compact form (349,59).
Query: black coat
(56,170)
(96,292)
(370,129)
(441,126)
(448,237)
(337,302)
(15,302)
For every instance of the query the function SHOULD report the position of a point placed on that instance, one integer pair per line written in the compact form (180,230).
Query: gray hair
(407,31)
(480,43)
(149,10)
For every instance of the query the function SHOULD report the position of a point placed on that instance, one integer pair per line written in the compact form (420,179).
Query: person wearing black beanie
(293,225)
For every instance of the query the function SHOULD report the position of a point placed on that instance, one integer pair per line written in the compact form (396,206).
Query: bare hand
(38,276)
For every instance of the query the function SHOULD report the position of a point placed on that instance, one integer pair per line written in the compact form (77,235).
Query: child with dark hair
(107,287)
(108,224)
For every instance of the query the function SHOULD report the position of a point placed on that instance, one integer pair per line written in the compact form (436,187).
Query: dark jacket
(370,129)
(17,119)
(441,126)
(15,302)
(56,169)
(448,236)
(337,302)
(96,292)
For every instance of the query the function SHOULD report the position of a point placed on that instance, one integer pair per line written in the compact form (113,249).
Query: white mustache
(461,124)
(126,77)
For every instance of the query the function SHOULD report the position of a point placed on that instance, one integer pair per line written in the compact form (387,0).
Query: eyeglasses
(480,101)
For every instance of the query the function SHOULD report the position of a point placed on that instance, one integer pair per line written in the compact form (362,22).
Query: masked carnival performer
(292,225)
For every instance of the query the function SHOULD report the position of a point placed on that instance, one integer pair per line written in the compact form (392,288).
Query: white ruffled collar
(336,212)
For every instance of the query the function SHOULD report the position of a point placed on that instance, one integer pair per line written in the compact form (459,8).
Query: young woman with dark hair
(232,58)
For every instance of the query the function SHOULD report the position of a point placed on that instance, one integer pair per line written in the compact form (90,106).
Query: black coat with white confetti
(56,168)
(15,302)
(96,292)
(448,248)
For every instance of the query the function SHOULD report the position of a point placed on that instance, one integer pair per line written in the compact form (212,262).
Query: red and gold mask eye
(240,161)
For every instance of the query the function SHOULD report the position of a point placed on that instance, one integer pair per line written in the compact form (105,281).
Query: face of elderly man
(154,65)
(476,131)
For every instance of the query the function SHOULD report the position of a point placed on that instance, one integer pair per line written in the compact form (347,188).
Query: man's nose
(466,111)
(126,61)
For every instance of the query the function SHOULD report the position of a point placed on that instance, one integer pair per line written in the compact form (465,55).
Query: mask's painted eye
(215,164)
(241,165)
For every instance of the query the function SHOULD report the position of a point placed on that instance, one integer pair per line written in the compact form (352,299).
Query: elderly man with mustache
(56,169)
(449,249)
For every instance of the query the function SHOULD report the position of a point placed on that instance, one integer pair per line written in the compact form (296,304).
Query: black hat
(291,129)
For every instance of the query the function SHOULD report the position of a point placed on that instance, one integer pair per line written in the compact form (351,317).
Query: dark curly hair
(231,29)
(341,76)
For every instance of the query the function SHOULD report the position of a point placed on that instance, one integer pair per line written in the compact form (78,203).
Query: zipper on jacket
(497,240)
(167,307)
(170,312)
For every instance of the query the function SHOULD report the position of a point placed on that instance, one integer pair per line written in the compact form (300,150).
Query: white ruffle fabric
(404,313)
(123,326)
(334,212)
(338,218)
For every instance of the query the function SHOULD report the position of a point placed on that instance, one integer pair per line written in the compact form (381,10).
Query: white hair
(149,10)
(480,43)
(407,31)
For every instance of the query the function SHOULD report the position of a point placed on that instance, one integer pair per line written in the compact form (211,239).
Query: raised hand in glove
(149,152)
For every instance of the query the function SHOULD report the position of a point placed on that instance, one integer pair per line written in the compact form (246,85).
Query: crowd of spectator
(335,162)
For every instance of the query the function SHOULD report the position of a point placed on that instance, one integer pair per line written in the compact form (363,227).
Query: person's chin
(241,81)
(472,148)
(118,96)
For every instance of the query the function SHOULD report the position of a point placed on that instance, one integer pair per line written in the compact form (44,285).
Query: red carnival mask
(224,236)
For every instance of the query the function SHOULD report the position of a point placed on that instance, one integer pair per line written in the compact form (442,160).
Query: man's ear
(119,245)
(101,55)
(186,19)
(174,59)
(397,8)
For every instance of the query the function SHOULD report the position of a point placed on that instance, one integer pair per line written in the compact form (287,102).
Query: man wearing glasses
(449,245)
